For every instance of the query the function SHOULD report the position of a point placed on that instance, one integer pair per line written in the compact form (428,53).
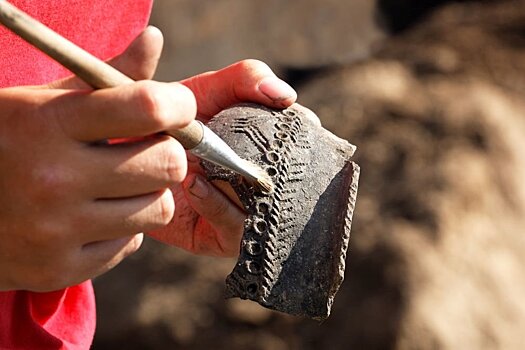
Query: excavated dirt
(437,248)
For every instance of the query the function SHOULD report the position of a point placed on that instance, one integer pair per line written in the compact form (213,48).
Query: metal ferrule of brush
(214,149)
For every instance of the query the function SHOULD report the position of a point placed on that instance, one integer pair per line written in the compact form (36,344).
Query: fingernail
(199,188)
(276,89)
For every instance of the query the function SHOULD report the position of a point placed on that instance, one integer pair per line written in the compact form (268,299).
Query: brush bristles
(265,184)
(258,177)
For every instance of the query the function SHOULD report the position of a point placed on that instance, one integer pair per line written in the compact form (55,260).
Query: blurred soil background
(432,93)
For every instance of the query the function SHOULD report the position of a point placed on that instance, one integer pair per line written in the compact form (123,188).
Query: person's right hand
(70,205)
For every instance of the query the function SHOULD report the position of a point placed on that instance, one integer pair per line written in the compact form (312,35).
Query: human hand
(71,206)
(208,221)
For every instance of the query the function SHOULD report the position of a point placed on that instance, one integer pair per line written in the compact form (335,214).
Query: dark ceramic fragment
(293,250)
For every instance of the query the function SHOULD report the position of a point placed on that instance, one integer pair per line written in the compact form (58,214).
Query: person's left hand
(206,221)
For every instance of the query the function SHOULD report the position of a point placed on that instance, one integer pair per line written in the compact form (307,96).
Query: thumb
(139,61)
(221,221)
(245,81)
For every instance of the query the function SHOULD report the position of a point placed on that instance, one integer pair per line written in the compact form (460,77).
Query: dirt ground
(434,101)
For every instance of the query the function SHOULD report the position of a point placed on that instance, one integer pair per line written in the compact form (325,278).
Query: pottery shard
(292,254)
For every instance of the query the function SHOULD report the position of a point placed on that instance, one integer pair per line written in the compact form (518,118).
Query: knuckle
(109,259)
(50,182)
(166,209)
(174,163)
(166,105)
(249,65)
(186,104)
(133,246)
(151,102)
(111,253)
(47,234)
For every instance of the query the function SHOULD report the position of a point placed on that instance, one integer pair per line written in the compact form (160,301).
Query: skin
(72,207)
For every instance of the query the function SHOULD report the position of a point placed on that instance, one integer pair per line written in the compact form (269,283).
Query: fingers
(97,258)
(118,218)
(248,80)
(139,61)
(138,109)
(131,169)
(221,222)
(73,267)
(141,58)
(94,257)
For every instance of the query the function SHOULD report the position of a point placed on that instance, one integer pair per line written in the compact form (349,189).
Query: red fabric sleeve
(104,28)
(63,319)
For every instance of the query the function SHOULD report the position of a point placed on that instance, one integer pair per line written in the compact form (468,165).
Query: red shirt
(104,28)
(64,319)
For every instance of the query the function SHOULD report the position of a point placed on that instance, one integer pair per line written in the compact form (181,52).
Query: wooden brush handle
(87,67)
